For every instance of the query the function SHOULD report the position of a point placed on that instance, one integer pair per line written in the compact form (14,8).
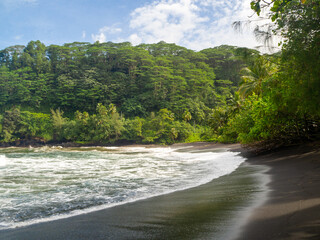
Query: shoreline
(290,211)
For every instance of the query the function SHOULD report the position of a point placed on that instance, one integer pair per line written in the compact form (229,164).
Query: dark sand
(291,210)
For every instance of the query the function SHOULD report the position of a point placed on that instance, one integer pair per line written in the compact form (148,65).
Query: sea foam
(52,183)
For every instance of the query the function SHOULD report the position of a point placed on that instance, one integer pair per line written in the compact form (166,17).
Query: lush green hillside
(134,81)
(164,93)
(138,80)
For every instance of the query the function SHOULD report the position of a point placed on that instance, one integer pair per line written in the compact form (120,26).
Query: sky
(195,24)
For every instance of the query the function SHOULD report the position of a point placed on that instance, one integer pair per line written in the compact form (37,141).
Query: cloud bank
(195,24)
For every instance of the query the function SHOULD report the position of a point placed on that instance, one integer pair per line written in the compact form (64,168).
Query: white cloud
(170,21)
(196,24)
(84,34)
(101,37)
(104,32)
(135,39)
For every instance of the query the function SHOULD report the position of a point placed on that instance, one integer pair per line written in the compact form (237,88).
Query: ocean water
(48,183)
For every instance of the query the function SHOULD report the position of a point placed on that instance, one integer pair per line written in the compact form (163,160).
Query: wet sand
(289,210)
(292,210)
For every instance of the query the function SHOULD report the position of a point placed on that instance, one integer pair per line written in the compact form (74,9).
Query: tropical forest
(109,93)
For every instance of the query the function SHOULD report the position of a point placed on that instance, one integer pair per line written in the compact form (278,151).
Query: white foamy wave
(111,148)
(46,148)
(56,183)
(3,161)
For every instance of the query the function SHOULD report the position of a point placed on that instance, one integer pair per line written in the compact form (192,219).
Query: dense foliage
(164,93)
(281,95)
(159,92)
(138,80)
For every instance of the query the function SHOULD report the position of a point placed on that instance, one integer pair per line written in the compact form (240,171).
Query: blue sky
(195,24)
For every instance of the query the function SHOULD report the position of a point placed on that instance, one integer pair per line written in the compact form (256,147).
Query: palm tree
(253,76)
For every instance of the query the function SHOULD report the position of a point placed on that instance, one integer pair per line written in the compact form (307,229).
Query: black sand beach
(291,210)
